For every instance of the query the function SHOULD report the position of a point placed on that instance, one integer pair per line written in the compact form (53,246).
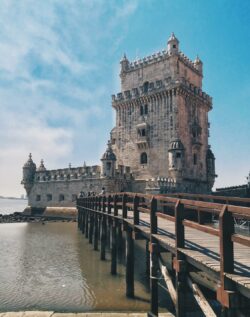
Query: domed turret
(41,168)
(198,64)
(173,44)
(176,158)
(124,63)
(108,162)
(29,170)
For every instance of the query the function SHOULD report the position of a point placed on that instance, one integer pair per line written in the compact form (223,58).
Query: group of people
(91,194)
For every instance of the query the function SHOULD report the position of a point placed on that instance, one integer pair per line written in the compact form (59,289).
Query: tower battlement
(158,86)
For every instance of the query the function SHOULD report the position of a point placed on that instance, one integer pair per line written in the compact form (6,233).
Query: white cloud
(53,101)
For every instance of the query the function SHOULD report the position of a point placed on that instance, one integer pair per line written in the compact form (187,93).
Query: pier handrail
(176,209)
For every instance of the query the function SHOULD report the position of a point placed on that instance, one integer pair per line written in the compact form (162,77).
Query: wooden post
(113,249)
(96,234)
(83,215)
(153,217)
(91,220)
(153,259)
(115,205)
(87,219)
(225,294)
(180,274)
(109,230)
(135,208)
(129,264)
(120,240)
(124,206)
(153,280)
(79,215)
(103,230)
(147,271)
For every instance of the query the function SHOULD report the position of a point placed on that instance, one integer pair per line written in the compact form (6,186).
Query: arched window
(141,110)
(144,158)
(145,87)
(195,159)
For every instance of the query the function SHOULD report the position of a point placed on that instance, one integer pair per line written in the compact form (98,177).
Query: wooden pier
(187,250)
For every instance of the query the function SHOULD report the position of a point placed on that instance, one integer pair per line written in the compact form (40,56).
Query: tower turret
(108,162)
(41,168)
(29,170)
(124,63)
(173,44)
(198,64)
(176,159)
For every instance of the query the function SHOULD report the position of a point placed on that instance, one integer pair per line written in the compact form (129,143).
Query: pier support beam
(179,264)
(96,233)
(103,237)
(91,225)
(114,250)
(129,264)
(153,280)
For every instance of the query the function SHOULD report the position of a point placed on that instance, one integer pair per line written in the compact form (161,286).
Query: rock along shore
(18,217)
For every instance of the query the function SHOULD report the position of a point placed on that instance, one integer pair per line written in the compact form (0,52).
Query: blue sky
(59,65)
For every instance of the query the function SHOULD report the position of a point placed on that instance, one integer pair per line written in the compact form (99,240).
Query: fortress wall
(38,196)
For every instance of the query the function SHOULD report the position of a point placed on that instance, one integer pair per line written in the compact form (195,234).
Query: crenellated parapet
(161,185)
(160,56)
(161,87)
(68,174)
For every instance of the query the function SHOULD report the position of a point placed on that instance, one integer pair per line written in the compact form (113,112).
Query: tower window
(195,159)
(143,132)
(61,197)
(146,109)
(108,166)
(144,158)
(174,46)
(38,197)
(145,87)
(141,110)
(49,197)
(178,155)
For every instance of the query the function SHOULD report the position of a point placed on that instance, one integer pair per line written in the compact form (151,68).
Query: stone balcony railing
(159,85)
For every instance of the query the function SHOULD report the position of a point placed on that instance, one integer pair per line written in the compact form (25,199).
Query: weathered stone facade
(159,143)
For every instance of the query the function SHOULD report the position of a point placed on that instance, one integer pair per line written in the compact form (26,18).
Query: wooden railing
(143,216)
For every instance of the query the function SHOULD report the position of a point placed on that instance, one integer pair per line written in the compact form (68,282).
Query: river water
(53,267)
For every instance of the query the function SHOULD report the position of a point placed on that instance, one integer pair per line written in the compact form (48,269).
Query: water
(53,267)
(8,206)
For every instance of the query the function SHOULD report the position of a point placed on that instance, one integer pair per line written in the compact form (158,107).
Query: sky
(59,66)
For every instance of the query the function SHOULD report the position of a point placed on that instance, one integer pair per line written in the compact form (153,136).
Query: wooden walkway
(190,253)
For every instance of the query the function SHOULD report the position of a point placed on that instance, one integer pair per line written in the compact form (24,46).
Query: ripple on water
(53,267)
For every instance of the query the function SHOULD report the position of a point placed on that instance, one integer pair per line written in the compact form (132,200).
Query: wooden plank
(168,281)
(165,216)
(200,298)
(144,210)
(241,239)
(203,228)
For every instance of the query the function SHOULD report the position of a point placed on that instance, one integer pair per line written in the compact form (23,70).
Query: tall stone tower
(162,125)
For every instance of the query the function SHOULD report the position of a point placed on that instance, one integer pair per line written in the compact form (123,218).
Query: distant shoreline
(14,198)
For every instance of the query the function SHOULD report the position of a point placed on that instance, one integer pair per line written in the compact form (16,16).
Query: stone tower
(162,125)
(29,170)
(108,162)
